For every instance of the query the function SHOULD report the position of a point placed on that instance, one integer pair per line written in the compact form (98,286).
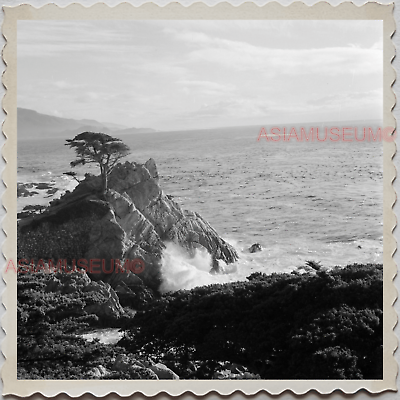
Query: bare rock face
(125,234)
(110,308)
(169,221)
(152,168)
(136,368)
(136,181)
(163,372)
(106,305)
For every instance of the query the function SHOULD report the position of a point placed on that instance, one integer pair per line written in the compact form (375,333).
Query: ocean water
(320,201)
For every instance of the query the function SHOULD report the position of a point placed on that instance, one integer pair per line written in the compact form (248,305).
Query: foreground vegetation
(315,325)
(322,325)
(49,322)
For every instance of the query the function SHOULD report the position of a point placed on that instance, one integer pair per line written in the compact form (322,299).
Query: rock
(43,186)
(98,372)
(152,168)
(107,306)
(137,370)
(236,368)
(24,214)
(216,268)
(78,279)
(142,373)
(163,372)
(22,190)
(121,363)
(52,191)
(102,370)
(35,207)
(53,285)
(227,374)
(30,210)
(255,248)
(186,228)
(94,373)
(110,310)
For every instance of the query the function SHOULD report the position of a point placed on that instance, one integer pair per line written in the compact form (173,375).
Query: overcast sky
(198,74)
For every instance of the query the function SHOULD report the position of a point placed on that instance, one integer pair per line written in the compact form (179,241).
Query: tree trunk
(105,181)
(103,174)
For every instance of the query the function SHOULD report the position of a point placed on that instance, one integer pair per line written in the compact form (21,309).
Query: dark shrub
(321,325)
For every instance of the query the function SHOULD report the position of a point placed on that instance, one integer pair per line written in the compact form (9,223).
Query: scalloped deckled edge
(297,10)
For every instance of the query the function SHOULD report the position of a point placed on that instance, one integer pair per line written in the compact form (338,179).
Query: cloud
(329,61)
(65,85)
(205,88)
(378,45)
(57,113)
(216,71)
(231,108)
(348,100)
(52,39)
(155,67)
(242,56)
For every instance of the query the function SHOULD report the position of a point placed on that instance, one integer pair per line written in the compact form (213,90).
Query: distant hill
(133,131)
(32,124)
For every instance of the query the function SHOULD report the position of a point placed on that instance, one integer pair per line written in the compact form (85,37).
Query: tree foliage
(98,148)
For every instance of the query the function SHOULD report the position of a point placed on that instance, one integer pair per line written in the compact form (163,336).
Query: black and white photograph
(200,199)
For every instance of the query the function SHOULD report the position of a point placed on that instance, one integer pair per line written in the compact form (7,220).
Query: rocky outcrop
(107,309)
(105,304)
(170,222)
(163,372)
(132,368)
(256,247)
(124,363)
(22,189)
(128,227)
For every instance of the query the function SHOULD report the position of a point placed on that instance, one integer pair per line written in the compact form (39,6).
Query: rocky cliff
(133,221)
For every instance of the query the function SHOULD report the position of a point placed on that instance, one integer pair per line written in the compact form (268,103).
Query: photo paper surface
(199,198)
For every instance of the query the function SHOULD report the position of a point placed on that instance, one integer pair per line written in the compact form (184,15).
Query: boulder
(108,310)
(135,368)
(52,191)
(255,248)
(43,186)
(98,372)
(22,190)
(163,372)
(35,207)
(121,363)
